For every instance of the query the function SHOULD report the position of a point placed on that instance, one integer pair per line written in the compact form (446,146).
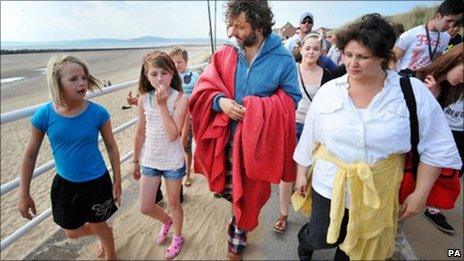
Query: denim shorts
(167,174)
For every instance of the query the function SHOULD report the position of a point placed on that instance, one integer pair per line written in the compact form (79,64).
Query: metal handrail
(5,188)
(28,111)
(25,112)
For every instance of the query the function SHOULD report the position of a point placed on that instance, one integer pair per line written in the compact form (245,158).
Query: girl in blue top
(82,194)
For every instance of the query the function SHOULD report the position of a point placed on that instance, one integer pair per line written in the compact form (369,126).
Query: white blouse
(372,134)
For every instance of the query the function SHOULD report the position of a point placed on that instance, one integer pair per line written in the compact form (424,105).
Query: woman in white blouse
(360,120)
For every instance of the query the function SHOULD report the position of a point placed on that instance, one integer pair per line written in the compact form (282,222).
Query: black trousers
(312,236)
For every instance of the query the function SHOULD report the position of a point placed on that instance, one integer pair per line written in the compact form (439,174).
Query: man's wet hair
(257,13)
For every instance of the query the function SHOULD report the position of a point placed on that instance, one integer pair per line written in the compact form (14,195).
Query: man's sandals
(281,224)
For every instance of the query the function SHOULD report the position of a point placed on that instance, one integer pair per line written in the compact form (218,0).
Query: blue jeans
(312,236)
(167,174)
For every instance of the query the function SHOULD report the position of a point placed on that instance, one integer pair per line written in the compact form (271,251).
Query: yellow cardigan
(373,210)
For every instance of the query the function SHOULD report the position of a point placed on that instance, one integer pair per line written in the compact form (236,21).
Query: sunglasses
(188,78)
(307,21)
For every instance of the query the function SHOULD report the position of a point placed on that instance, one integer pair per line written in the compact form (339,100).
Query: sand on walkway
(117,66)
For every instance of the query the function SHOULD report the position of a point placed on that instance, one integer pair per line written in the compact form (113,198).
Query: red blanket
(211,129)
(263,143)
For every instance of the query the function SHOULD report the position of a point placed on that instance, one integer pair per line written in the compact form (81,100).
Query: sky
(43,21)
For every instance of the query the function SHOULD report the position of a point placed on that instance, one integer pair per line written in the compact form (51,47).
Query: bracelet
(135,161)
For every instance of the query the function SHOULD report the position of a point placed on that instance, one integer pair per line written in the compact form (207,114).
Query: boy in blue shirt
(180,57)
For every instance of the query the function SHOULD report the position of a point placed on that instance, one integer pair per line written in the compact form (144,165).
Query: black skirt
(75,203)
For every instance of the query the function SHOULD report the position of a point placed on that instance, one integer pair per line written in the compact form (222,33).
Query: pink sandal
(163,233)
(175,247)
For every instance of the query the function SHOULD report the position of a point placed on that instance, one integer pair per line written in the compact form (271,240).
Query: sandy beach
(115,65)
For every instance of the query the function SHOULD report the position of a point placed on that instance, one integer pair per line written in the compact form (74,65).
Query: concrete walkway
(424,241)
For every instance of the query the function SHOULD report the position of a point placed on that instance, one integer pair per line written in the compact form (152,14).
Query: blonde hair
(179,50)
(55,64)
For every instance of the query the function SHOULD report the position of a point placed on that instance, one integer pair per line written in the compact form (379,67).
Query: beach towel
(262,154)
(211,129)
(263,142)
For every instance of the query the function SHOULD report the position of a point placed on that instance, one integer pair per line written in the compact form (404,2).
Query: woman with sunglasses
(311,77)
(355,136)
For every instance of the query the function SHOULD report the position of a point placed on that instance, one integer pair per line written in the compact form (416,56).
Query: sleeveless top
(158,152)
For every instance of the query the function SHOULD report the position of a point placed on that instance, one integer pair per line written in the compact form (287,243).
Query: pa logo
(454,253)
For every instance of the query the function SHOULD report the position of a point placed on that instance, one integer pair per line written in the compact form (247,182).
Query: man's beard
(308,31)
(250,40)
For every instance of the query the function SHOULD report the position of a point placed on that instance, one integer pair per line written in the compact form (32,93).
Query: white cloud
(69,20)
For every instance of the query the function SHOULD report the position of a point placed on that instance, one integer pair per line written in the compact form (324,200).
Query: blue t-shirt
(189,79)
(74,140)
(327,63)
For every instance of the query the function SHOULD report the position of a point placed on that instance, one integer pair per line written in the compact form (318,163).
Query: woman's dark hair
(439,69)
(374,32)
(257,13)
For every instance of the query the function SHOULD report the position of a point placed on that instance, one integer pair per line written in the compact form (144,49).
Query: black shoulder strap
(429,43)
(302,83)
(408,93)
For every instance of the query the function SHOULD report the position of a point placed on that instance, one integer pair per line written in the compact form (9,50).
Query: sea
(90,44)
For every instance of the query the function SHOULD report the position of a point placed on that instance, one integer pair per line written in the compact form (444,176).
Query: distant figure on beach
(243,113)
(189,78)
(419,46)
(109,83)
(334,54)
(161,114)
(82,194)
(355,137)
(326,44)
